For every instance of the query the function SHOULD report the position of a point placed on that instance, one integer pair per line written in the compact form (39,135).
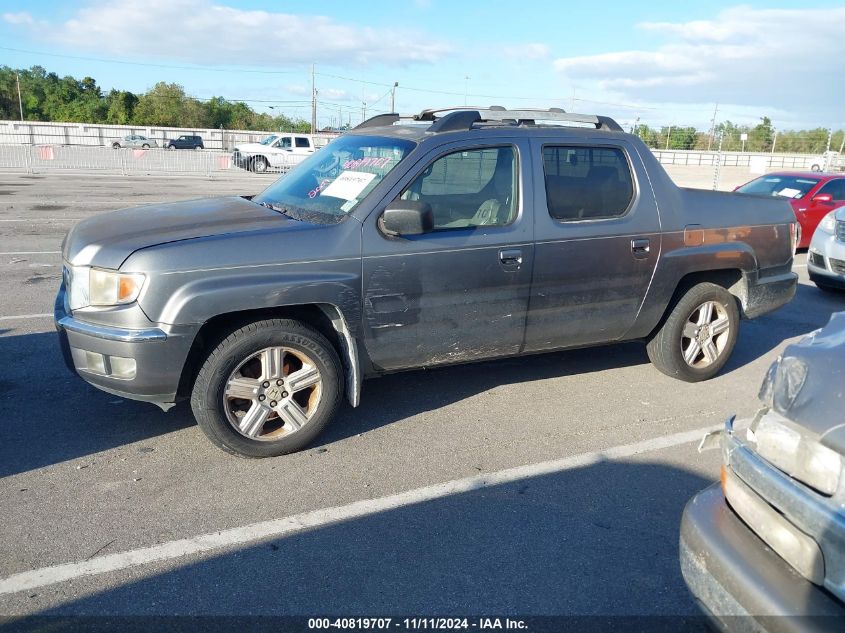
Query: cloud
(523,52)
(21,17)
(782,58)
(203,32)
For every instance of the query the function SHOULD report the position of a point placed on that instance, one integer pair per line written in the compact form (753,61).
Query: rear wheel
(259,164)
(146,146)
(267,389)
(115,145)
(697,338)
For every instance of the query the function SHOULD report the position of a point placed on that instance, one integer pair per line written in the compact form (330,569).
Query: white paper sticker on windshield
(788,192)
(348,185)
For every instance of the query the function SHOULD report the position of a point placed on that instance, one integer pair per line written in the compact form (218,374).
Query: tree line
(759,138)
(47,97)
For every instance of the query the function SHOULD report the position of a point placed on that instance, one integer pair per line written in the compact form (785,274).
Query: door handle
(511,258)
(640,248)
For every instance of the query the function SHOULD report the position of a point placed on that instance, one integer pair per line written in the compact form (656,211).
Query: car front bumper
(740,582)
(826,247)
(159,354)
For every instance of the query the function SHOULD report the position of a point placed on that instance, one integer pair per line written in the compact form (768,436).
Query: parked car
(828,161)
(277,151)
(464,235)
(811,195)
(770,539)
(826,257)
(135,140)
(186,141)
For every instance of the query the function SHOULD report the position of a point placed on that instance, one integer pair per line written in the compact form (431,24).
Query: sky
(662,63)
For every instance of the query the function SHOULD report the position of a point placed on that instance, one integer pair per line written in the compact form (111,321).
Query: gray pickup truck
(454,236)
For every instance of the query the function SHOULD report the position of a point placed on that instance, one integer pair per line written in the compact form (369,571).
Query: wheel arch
(326,318)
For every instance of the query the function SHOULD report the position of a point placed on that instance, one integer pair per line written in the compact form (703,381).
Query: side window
(284,142)
(302,142)
(586,183)
(469,188)
(836,188)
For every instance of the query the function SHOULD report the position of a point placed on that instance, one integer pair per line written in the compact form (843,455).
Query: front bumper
(826,247)
(740,582)
(159,353)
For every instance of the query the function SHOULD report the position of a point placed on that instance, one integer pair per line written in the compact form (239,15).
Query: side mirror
(823,198)
(407,217)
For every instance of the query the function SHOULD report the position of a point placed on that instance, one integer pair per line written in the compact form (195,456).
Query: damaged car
(764,550)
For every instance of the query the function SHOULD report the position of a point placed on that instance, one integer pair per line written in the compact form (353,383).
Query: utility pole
(712,127)
(20,101)
(829,138)
(363,111)
(393,96)
(313,100)
(775,141)
(466,85)
(668,134)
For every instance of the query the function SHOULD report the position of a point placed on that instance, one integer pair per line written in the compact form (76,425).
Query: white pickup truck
(277,151)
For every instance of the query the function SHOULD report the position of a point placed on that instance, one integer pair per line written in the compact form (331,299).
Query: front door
(460,292)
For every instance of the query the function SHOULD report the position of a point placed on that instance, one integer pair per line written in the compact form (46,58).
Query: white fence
(746,159)
(91,135)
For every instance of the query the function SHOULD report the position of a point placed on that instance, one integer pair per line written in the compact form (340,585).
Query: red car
(812,195)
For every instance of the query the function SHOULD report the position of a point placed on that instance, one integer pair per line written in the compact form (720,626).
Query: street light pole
(393,96)
(20,101)
(466,84)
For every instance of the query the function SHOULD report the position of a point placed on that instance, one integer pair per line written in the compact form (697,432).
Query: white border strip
(24,317)
(32,253)
(28,580)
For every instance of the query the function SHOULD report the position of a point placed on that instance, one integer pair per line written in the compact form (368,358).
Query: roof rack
(464,117)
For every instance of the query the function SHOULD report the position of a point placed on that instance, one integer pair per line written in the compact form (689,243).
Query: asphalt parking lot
(544,485)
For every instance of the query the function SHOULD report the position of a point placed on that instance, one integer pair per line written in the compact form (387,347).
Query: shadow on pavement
(596,541)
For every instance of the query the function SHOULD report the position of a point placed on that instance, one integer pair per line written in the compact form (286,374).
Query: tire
(146,146)
(815,168)
(679,334)
(277,419)
(259,164)
(171,147)
(115,145)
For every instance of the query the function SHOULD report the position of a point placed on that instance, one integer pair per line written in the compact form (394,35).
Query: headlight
(95,287)
(828,223)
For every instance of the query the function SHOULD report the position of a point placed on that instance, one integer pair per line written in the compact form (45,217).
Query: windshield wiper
(282,210)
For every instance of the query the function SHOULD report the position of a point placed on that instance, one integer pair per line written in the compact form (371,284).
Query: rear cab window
(587,182)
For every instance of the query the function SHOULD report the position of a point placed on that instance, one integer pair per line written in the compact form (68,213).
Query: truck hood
(807,383)
(107,240)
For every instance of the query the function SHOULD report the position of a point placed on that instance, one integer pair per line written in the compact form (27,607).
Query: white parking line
(31,253)
(35,578)
(24,317)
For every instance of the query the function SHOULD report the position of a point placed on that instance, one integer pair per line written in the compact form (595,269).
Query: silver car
(135,140)
(826,258)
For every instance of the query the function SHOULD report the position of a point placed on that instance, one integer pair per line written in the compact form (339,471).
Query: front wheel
(146,146)
(816,168)
(115,145)
(171,147)
(267,389)
(259,164)
(697,338)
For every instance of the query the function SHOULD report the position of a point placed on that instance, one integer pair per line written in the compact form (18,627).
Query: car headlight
(828,223)
(96,287)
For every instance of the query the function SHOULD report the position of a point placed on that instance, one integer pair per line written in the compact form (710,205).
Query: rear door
(597,242)
(458,293)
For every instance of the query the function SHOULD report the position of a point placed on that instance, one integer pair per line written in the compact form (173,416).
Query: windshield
(268,140)
(335,179)
(786,186)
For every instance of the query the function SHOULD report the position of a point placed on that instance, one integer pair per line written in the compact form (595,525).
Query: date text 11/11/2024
(430,623)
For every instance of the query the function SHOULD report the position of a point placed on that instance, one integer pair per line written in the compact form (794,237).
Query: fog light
(95,362)
(122,367)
